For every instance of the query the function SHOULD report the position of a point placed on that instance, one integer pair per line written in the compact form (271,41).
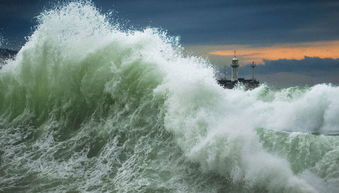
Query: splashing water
(88,107)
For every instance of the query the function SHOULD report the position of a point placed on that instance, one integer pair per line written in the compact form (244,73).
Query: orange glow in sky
(324,49)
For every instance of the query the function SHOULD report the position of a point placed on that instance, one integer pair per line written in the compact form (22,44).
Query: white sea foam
(94,108)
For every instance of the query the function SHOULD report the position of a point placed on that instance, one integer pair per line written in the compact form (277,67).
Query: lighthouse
(235,66)
(231,83)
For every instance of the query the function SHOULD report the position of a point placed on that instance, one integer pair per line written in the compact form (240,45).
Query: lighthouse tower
(235,66)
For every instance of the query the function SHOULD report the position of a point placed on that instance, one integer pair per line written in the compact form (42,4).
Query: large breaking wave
(88,107)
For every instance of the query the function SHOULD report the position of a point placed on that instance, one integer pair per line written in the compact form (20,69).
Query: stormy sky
(197,22)
(212,26)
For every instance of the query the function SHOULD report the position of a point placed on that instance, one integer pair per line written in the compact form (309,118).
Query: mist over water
(88,107)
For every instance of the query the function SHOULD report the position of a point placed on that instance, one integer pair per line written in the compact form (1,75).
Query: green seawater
(89,107)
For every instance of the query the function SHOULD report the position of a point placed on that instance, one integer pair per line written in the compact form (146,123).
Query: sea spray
(88,107)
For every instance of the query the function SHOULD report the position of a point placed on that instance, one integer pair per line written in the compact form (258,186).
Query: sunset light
(324,49)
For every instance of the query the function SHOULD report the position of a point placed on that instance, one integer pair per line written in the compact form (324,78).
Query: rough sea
(87,106)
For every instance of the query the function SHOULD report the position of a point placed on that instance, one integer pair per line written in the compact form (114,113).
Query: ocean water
(88,107)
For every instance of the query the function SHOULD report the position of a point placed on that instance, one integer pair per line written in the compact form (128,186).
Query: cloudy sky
(275,33)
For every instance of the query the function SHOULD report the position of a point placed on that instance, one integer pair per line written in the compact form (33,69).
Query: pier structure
(253,65)
(235,80)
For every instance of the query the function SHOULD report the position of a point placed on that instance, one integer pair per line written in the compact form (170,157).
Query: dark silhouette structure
(248,83)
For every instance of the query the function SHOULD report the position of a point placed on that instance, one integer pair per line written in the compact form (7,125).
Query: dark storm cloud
(238,22)
(17,19)
(201,21)
(285,73)
(306,65)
